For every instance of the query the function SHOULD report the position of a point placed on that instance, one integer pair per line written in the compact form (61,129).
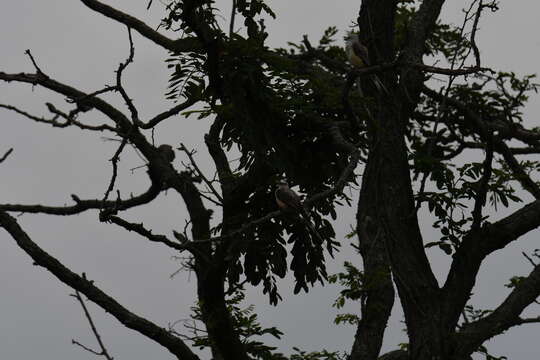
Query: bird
(358,56)
(286,199)
(289,201)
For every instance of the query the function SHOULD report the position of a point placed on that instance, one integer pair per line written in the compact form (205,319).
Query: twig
(114,161)
(199,172)
(104,351)
(38,70)
(119,87)
(529,258)
(106,89)
(167,114)
(4,157)
(70,120)
(141,230)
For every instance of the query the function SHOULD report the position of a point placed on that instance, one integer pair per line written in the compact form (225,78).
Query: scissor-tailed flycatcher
(358,55)
(289,201)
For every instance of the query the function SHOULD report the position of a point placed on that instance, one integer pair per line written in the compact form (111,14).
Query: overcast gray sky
(77,46)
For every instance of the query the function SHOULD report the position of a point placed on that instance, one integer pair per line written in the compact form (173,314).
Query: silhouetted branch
(141,230)
(114,161)
(6,154)
(505,315)
(38,70)
(70,120)
(104,351)
(120,88)
(83,205)
(133,23)
(167,114)
(199,172)
(132,321)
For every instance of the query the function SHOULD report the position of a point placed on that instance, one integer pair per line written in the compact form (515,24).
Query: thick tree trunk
(225,343)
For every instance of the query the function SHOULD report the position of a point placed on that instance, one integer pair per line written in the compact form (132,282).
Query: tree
(296,112)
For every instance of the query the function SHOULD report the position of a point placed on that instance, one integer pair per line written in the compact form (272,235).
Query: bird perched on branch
(358,55)
(289,201)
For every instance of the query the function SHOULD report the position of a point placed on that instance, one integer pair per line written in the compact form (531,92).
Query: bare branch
(38,70)
(6,154)
(141,230)
(132,321)
(199,172)
(139,26)
(70,120)
(104,351)
(451,72)
(529,259)
(167,114)
(120,88)
(114,161)
(83,205)
(76,95)
(75,342)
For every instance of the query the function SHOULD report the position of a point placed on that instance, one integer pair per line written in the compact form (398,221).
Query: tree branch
(479,126)
(167,114)
(199,172)
(83,205)
(6,154)
(141,230)
(504,316)
(104,351)
(120,88)
(70,118)
(475,247)
(140,27)
(160,335)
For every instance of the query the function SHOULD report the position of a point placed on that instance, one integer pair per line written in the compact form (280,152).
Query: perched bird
(289,201)
(358,55)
